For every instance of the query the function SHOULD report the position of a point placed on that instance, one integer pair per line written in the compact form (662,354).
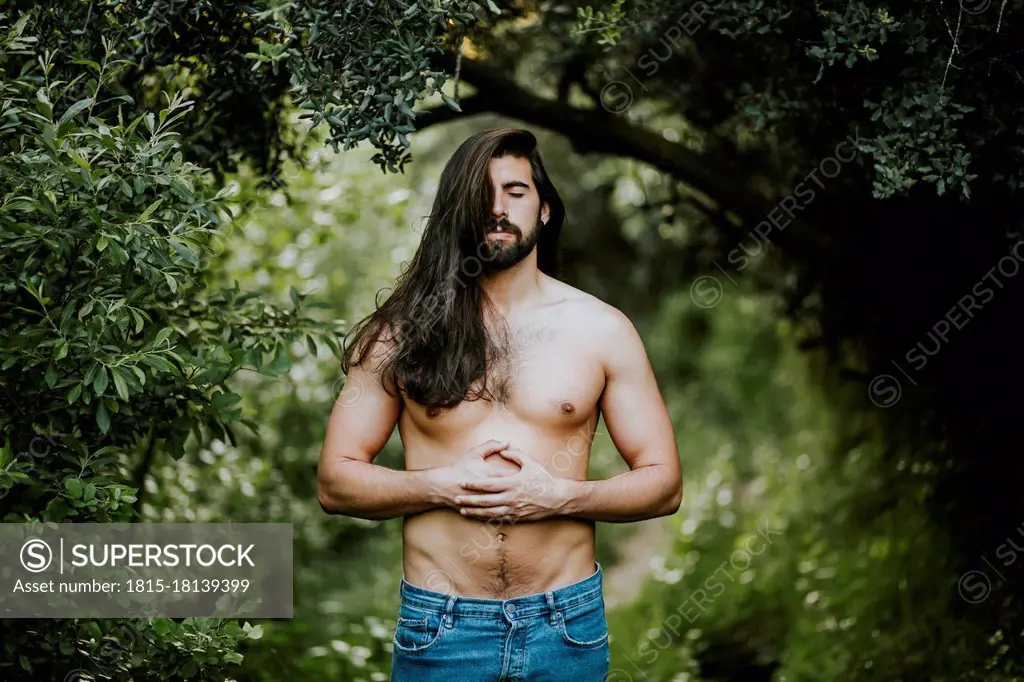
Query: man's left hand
(529,495)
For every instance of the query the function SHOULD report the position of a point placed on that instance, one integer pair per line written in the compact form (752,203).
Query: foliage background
(183,246)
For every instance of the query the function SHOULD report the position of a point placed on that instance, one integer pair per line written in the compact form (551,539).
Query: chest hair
(511,353)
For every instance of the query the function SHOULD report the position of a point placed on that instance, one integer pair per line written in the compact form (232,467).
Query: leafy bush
(113,349)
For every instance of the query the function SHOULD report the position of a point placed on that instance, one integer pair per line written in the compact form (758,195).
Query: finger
(490,485)
(489,447)
(485,512)
(482,500)
(512,455)
(527,465)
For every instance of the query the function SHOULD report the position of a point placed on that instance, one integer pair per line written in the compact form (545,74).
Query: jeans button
(510,608)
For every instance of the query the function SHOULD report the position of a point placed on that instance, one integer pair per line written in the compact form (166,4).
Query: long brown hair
(434,345)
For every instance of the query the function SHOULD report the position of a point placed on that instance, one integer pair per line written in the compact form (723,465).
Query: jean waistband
(524,606)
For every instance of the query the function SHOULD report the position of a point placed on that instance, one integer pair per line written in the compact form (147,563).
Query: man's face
(517,215)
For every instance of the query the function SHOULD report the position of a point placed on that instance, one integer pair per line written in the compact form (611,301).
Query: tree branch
(142,470)
(594,131)
(442,114)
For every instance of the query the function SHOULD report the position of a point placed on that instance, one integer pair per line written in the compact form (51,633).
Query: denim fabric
(552,636)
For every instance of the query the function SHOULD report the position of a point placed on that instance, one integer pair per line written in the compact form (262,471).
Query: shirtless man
(496,374)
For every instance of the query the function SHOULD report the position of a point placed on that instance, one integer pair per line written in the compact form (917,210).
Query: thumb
(490,447)
(512,455)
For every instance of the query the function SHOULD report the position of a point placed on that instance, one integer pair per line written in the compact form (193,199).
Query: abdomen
(449,553)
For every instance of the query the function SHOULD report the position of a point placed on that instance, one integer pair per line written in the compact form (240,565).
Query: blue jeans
(552,636)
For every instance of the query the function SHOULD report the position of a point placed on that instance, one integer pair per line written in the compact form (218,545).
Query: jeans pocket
(414,634)
(584,626)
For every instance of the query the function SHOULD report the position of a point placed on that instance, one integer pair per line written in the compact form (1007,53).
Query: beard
(501,255)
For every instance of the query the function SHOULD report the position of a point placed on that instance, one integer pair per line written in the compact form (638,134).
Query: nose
(499,209)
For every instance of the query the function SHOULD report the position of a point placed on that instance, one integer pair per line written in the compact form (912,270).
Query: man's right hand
(472,466)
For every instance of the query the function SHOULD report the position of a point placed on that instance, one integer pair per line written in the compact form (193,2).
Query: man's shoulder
(591,313)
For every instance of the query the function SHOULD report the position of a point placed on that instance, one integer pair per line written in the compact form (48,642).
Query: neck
(515,287)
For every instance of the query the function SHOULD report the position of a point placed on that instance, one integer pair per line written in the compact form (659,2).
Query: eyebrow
(514,183)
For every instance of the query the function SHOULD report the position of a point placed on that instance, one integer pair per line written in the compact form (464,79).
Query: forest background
(811,212)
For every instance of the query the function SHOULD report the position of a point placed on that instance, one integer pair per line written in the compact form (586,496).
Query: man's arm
(361,423)
(639,425)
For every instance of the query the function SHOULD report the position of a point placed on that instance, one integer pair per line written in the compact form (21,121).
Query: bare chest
(538,374)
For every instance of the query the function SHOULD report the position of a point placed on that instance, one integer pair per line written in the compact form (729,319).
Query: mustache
(504,225)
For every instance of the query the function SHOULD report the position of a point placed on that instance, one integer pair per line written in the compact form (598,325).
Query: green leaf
(99,384)
(103,417)
(84,62)
(139,322)
(56,510)
(75,109)
(149,209)
(86,309)
(73,394)
(74,487)
(119,383)
(256,632)
(157,362)
(162,335)
(225,399)
(332,343)
(90,373)
(450,102)
(282,363)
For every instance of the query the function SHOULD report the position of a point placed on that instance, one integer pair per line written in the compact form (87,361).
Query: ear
(545,212)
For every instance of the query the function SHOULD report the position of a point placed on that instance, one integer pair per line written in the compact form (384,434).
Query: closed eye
(517,195)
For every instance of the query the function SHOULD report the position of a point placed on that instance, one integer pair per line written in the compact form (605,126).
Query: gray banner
(145,570)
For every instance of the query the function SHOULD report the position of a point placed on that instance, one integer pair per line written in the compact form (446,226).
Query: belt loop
(555,615)
(448,607)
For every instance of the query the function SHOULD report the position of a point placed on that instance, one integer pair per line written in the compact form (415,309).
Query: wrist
(576,494)
(435,490)
(430,485)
